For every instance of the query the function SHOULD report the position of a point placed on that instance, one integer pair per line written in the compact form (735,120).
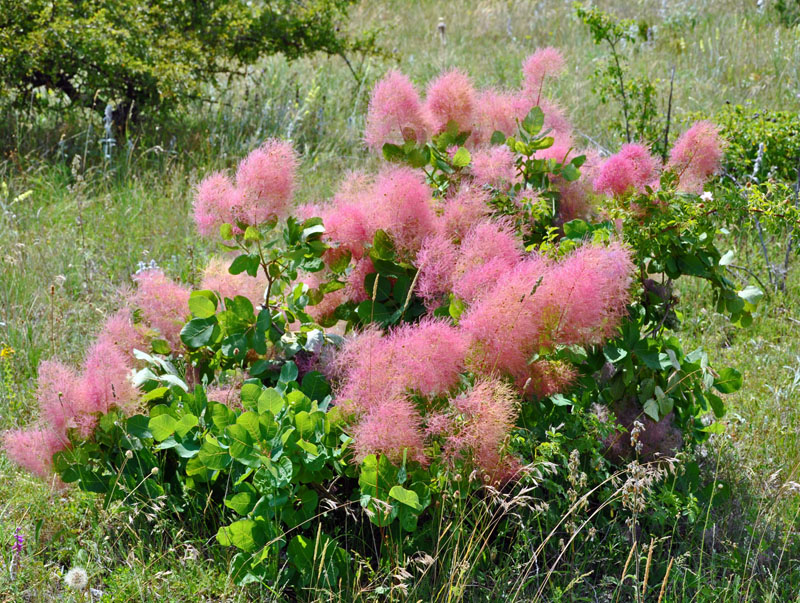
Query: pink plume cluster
(106,380)
(426,357)
(164,304)
(33,449)
(395,113)
(393,429)
(402,207)
(487,252)
(696,156)
(494,166)
(354,289)
(379,373)
(265,179)
(497,111)
(71,401)
(486,416)
(461,211)
(126,336)
(579,300)
(545,62)
(396,200)
(262,192)
(436,262)
(346,224)
(217,278)
(63,403)
(451,97)
(214,204)
(632,169)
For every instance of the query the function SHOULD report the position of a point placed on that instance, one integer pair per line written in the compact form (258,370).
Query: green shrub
(447,427)
(154,54)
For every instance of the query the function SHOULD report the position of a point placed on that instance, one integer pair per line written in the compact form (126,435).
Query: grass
(74,228)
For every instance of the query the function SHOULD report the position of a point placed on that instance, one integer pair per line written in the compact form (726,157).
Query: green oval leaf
(407,497)
(729,381)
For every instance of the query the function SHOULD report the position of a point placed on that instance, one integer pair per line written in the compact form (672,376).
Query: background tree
(153,54)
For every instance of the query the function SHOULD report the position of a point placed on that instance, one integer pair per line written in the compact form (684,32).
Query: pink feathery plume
(395,113)
(504,324)
(33,449)
(393,429)
(545,62)
(402,206)
(451,97)
(355,290)
(428,356)
(632,169)
(61,397)
(164,304)
(365,371)
(487,415)
(265,179)
(469,205)
(347,229)
(496,112)
(119,330)
(214,204)
(494,166)
(107,384)
(696,156)
(487,252)
(436,261)
(584,297)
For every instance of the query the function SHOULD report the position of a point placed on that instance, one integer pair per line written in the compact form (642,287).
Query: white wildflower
(76,578)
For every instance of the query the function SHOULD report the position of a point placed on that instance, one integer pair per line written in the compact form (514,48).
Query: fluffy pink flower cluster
(164,304)
(262,191)
(481,420)
(541,304)
(392,386)
(397,113)
(71,400)
(696,156)
(632,169)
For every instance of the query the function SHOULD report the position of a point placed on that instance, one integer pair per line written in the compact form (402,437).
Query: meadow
(78,217)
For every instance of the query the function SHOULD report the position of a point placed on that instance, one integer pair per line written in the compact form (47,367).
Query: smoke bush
(435,318)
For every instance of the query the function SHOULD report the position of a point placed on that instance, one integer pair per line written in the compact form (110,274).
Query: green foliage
(258,464)
(230,334)
(788,12)
(637,96)
(760,440)
(760,183)
(154,54)
(745,129)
